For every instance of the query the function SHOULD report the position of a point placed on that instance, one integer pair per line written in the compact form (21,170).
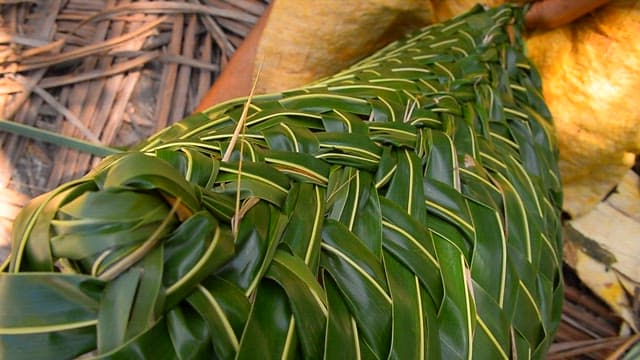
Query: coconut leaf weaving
(407,207)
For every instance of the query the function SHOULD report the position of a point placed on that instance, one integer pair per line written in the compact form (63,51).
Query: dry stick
(235,40)
(229,24)
(110,89)
(22,96)
(173,7)
(577,325)
(47,47)
(182,60)
(204,78)
(169,74)
(586,349)
(15,2)
(184,73)
(252,6)
(47,30)
(93,49)
(236,27)
(561,347)
(5,164)
(594,324)
(566,332)
(71,117)
(78,104)
(179,59)
(14,145)
(240,128)
(117,113)
(622,349)
(12,20)
(142,58)
(574,295)
(116,116)
(90,113)
(218,35)
(56,81)
(27,115)
(13,201)
(8,87)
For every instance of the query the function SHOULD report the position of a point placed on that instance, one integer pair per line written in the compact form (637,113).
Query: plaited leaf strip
(406,207)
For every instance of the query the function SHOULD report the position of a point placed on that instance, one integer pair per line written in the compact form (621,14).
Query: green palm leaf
(407,207)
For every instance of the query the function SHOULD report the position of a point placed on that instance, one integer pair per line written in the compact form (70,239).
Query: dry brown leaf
(12,2)
(226,48)
(38,62)
(117,68)
(172,7)
(603,248)
(54,103)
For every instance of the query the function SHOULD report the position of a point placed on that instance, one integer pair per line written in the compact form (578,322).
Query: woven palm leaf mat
(116,76)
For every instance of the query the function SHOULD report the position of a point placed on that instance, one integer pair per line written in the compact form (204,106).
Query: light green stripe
(358,269)
(354,149)
(346,156)
(255,177)
(289,339)
(316,175)
(450,214)
(231,335)
(523,211)
(411,238)
(199,264)
(491,337)
(422,346)
(533,302)
(47,328)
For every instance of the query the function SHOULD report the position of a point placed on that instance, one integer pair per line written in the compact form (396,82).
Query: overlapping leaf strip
(407,207)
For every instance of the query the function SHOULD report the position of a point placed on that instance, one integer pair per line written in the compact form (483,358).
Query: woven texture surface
(406,207)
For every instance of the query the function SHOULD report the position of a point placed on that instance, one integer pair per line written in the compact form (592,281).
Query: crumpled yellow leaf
(603,282)
(589,68)
(603,247)
(591,83)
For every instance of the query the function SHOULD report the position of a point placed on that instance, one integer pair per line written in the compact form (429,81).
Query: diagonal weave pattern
(407,207)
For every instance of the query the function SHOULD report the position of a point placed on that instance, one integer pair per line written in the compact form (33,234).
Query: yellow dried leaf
(604,249)
(603,282)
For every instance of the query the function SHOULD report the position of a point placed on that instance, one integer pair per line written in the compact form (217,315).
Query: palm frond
(407,207)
